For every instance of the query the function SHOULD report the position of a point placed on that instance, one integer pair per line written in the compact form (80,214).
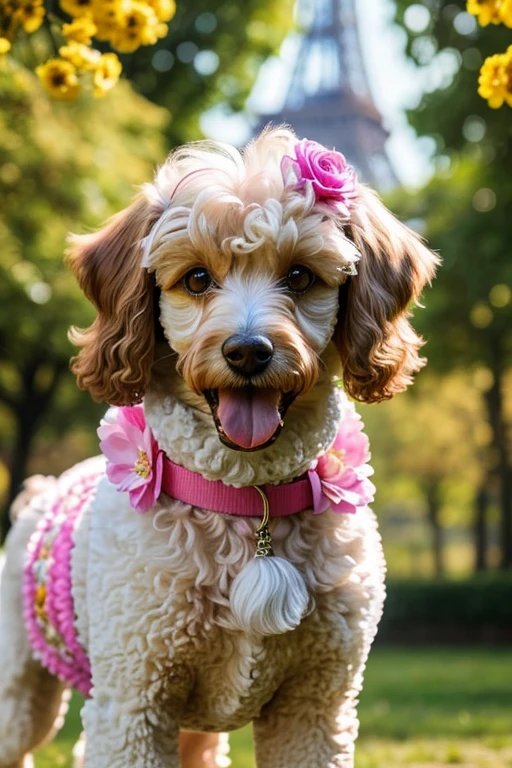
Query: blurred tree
(61,168)
(448,47)
(211,56)
(208,54)
(434,433)
(466,210)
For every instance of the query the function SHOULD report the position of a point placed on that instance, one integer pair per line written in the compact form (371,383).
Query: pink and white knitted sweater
(47,585)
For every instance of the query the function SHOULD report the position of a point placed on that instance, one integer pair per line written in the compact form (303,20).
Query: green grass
(463,692)
(419,707)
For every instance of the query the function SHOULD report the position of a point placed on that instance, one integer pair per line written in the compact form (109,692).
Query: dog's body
(152,592)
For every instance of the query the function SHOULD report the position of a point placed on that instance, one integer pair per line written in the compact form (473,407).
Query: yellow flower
(486,11)
(108,16)
(60,79)
(106,74)
(77,7)
(140,27)
(80,30)
(506,12)
(110,11)
(80,55)
(4,45)
(30,13)
(495,81)
(164,9)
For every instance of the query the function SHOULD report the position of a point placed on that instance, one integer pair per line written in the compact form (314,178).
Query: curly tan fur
(378,347)
(116,354)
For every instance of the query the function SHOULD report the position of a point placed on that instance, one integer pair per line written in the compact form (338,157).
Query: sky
(394,81)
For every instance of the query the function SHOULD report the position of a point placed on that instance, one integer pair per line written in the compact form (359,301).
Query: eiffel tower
(329,99)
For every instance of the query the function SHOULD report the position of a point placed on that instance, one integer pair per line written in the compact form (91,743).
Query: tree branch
(8,398)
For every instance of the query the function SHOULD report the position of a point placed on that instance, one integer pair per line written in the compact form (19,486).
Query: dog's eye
(299,279)
(197,281)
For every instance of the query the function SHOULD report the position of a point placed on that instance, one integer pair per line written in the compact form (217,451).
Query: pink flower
(332,178)
(339,479)
(134,460)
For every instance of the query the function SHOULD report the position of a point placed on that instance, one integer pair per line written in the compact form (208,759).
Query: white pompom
(269,596)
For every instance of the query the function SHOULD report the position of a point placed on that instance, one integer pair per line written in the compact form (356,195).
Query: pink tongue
(249,416)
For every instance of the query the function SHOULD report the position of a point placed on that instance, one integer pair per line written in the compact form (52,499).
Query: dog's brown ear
(114,362)
(378,347)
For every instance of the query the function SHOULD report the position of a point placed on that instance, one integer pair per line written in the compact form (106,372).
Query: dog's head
(250,272)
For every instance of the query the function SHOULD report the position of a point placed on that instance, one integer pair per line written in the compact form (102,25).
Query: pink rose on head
(333,180)
(134,461)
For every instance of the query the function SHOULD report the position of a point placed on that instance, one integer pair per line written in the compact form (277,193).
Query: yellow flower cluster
(60,76)
(124,24)
(18,14)
(495,81)
(491,11)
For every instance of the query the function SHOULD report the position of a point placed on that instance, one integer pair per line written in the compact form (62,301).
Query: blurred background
(393,85)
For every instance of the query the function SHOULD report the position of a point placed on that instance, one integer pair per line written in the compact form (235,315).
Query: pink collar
(194,489)
(338,480)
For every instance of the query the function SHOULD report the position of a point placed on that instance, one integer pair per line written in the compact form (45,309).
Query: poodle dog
(219,563)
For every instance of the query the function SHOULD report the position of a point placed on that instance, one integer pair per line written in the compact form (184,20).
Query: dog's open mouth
(248,418)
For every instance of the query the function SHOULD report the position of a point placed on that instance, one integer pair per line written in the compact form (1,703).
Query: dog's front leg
(138,686)
(311,722)
(126,733)
(132,717)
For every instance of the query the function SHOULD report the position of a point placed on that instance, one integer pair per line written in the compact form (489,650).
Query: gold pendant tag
(263,537)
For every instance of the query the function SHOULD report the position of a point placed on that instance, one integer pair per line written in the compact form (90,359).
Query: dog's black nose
(247,355)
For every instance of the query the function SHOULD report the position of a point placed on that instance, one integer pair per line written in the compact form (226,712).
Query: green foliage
(465,211)
(434,436)
(466,207)
(62,169)
(446,113)
(431,432)
(237,37)
(468,321)
(480,603)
